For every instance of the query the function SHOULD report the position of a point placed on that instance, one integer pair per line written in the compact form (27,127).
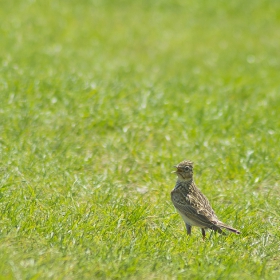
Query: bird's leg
(189,229)
(203,233)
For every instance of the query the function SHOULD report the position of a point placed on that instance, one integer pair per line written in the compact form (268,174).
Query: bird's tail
(222,225)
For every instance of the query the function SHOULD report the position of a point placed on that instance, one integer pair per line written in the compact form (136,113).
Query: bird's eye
(187,168)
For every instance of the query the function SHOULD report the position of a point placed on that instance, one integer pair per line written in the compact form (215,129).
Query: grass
(99,99)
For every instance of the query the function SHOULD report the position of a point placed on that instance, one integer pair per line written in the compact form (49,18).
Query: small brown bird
(192,205)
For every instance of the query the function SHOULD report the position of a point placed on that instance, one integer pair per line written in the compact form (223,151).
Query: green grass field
(99,99)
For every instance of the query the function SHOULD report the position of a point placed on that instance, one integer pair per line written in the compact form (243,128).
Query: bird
(192,204)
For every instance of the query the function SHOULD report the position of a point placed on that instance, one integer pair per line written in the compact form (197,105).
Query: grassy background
(99,99)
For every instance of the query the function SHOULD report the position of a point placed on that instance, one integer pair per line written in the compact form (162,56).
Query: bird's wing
(193,215)
(195,210)
(202,204)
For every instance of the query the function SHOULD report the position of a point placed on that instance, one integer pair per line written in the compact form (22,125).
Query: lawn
(100,99)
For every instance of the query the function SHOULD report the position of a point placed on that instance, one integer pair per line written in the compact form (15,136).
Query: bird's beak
(176,169)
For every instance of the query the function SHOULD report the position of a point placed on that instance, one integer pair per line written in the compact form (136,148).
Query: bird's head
(184,170)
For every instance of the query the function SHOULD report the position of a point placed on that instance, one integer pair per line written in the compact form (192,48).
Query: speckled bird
(192,204)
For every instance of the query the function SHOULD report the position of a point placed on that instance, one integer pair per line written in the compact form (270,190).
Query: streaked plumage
(192,205)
